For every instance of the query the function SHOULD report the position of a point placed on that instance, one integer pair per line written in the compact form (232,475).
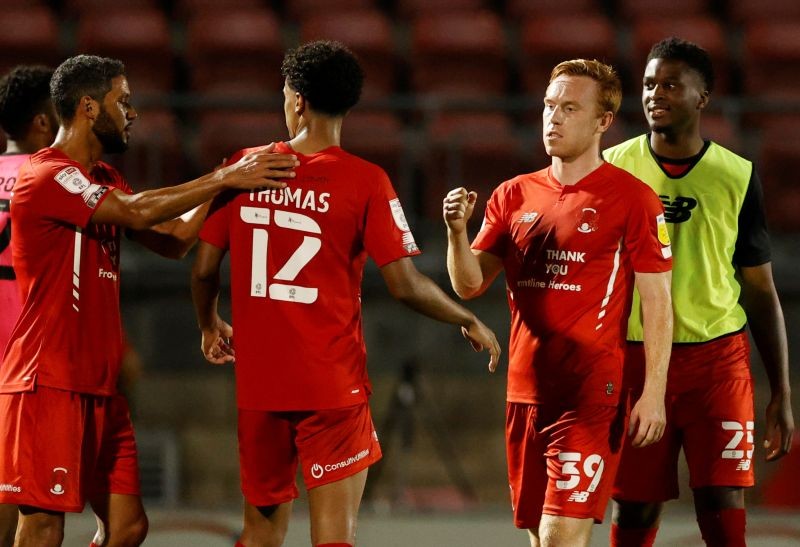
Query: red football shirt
(569,254)
(297,259)
(10,302)
(68,335)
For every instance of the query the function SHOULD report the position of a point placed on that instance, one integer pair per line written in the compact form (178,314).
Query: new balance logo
(528,217)
(744,465)
(578,496)
(677,210)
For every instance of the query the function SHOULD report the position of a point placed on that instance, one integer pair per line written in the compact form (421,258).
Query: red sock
(93,544)
(239,544)
(723,528)
(632,537)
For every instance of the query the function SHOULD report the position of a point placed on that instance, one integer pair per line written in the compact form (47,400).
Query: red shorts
(59,448)
(709,415)
(331,445)
(561,462)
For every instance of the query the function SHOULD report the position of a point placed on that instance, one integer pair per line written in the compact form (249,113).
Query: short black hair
(82,75)
(327,74)
(690,53)
(24,93)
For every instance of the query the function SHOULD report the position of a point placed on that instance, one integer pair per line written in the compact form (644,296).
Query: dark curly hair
(327,74)
(693,55)
(24,93)
(82,75)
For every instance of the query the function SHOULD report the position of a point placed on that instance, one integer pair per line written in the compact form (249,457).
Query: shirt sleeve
(647,237)
(387,236)
(216,227)
(493,236)
(67,194)
(752,241)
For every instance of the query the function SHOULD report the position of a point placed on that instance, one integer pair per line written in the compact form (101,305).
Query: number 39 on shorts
(260,286)
(592,467)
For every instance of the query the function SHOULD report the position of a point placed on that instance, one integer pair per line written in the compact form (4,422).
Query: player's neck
(569,171)
(677,144)
(317,134)
(30,144)
(79,145)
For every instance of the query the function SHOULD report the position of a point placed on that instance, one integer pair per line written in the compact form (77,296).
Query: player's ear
(89,107)
(299,104)
(705,96)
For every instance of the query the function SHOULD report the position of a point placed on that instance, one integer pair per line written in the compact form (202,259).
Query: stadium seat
(369,35)
(139,37)
(30,35)
(633,10)
(518,10)
(543,45)
(80,7)
(379,137)
(771,59)
(413,9)
(777,162)
(245,59)
(459,55)
(704,31)
(221,133)
(722,130)
(186,9)
(300,10)
(748,11)
(477,150)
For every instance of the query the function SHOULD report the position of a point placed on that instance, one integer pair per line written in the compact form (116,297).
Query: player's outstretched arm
(174,238)
(471,272)
(216,341)
(421,294)
(141,211)
(765,317)
(648,416)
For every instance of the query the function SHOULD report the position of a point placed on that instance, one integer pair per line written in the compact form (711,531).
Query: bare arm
(421,294)
(173,238)
(648,416)
(216,343)
(765,317)
(471,272)
(146,209)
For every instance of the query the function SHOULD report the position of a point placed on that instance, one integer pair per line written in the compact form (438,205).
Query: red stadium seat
(704,31)
(658,9)
(30,35)
(771,60)
(477,150)
(246,58)
(300,10)
(369,35)
(138,37)
(777,162)
(722,130)
(414,9)
(186,9)
(459,55)
(379,137)
(544,46)
(221,133)
(522,9)
(748,11)
(79,7)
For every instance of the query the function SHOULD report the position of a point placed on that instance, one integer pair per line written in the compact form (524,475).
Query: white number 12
(259,287)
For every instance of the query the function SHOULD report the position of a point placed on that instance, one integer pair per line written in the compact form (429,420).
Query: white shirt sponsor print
(318,470)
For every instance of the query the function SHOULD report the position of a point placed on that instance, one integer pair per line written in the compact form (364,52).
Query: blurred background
(453,97)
